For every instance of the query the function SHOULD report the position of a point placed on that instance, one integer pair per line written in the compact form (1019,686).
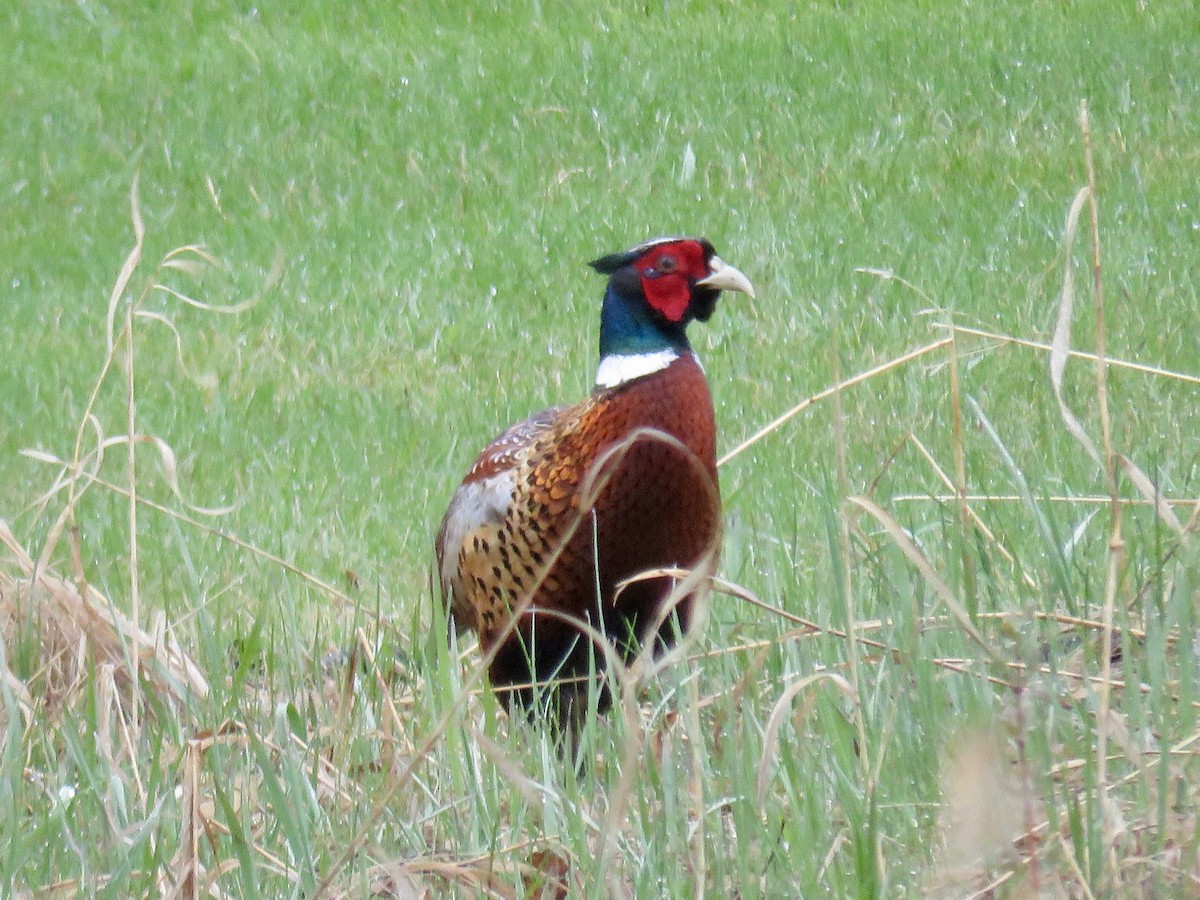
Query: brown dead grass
(76,631)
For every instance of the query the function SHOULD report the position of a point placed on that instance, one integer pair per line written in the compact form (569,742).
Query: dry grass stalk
(907,546)
(1111,362)
(1116,548)
(828,392)
(846,562)
(167,467)
(970,517)
(779,713)
(1157,501)
(1062,333)
(966,515)
(185,869)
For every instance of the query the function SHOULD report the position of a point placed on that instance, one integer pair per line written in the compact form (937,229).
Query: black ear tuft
(607,265)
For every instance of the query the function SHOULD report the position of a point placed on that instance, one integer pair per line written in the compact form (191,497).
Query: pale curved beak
(725,277)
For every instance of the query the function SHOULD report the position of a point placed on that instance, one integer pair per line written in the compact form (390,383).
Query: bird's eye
(667,265)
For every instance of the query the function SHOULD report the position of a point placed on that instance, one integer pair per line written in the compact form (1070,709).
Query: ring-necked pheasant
(561,508)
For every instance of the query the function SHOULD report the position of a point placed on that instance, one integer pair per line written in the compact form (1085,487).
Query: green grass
(428,187)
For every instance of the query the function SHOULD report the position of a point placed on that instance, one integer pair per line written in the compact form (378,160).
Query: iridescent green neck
(626,328)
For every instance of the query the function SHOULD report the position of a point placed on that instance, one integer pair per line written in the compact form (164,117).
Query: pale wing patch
(477,504)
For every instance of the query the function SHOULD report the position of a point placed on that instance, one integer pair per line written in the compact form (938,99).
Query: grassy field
(925,695)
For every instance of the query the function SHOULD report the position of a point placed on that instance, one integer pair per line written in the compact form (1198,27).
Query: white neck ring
(616,369)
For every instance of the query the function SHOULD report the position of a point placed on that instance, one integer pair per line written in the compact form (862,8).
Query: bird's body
(561,508)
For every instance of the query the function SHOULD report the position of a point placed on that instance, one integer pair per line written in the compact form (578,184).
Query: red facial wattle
(668,272)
